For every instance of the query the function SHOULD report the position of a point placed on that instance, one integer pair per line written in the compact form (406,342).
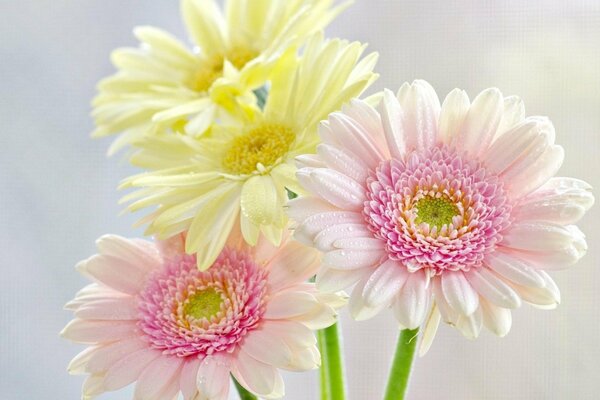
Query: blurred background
(58,190)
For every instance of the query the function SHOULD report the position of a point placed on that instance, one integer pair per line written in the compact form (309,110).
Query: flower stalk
(332,366)
(401,365)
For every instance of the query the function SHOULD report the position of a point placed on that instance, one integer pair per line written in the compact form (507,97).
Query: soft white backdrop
(58,190)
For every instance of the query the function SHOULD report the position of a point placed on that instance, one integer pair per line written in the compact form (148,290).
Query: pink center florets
(436,210)
(185,312)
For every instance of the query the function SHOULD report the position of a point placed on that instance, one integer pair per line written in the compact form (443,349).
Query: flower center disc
(435,211)
(264,145)
(203,304)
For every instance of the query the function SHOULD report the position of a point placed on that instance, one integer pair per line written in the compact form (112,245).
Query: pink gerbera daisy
(153,318)
(447,210)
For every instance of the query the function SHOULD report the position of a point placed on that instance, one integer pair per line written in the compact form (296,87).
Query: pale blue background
(58,190)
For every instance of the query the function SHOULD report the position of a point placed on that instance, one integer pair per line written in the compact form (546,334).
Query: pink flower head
(440,211)
(153,318)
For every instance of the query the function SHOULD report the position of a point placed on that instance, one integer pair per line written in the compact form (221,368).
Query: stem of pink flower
(401,365)
(332,366)
(242,392)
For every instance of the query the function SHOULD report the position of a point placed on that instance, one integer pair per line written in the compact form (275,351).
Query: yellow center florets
(435,211)
(263,146)
(203,304)
(212,68)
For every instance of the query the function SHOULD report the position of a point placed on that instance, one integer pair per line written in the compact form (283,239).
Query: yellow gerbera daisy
(201,184)
(164,85)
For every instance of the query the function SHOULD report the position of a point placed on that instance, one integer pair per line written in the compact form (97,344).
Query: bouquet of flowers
(273,188)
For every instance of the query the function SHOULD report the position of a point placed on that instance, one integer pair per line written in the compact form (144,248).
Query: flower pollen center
(203,304)
(262,147)
(435,211)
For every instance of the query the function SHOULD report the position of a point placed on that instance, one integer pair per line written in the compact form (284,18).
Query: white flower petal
(331,280)
(384,283)
(344,162)
(157,376)
(309,161)
(517,144)
(359,310)
(267,348)
(187,378)
(539,236)
(94,331)
(412,302)
(546,298)
(325,240)
(359,243)
(470,326)
(452,116)
(431,327)
(295,334)
(292,264)
(119,308)
(421,108)
(557,258)
(289,303)
(458,292)
(301,208)
(513,269)
(537,172)
(447,313)
(338,189)
(392,121)
(305,359)
(481,122)
(356,139)
(493,288)
(107,355)
(121,275)
(353,259)
(560,200)
(319,318)
(129,368)
(259,378)
(514,112)
(212,379)
(307,231)
(141,254)
(497,319)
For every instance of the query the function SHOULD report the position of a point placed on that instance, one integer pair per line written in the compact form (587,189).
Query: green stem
(402,365)
(244,394)
(332,367)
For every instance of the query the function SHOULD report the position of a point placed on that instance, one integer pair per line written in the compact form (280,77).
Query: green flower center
(435,211)
(203,304)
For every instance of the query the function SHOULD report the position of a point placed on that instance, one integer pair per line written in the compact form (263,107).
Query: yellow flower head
(238,174)
(164,85)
